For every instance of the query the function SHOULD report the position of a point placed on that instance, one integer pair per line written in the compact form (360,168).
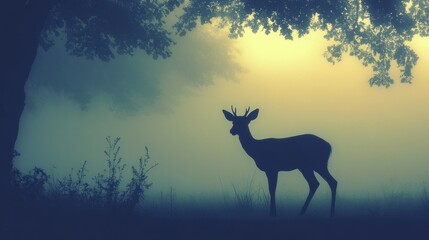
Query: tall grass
(250,199)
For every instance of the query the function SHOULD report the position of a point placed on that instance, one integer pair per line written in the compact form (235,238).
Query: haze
(173,106)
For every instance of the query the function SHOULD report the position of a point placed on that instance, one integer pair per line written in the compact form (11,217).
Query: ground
(48,223)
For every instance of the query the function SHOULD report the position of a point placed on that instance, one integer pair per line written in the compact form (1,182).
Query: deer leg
(272,185)
(325,174)
(313,185)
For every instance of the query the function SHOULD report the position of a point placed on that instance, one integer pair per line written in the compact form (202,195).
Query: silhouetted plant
(138,184)
(244,198)
(264,199)
(106,190)
(73,187)
(107,183)
(30,186)
(109,189)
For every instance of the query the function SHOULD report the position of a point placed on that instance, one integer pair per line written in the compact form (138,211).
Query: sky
(174,107)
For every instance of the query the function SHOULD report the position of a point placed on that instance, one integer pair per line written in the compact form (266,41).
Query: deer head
(240,123)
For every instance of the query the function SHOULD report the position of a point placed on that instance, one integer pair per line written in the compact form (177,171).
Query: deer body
(286,154)
(307,153)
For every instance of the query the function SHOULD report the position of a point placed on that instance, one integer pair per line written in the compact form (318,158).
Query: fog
(174,107)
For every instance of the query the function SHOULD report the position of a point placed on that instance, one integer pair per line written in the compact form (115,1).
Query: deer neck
(247,141)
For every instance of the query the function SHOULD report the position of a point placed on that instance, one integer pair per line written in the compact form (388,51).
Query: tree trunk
(21,24)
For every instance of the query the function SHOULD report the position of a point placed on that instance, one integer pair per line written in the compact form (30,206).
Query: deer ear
(253,115)
(228,115)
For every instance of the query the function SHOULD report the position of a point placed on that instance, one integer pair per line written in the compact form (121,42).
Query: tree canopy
(103,28)
(374,31)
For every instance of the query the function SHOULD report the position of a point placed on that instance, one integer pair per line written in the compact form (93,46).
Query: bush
(30,186)
(106,190)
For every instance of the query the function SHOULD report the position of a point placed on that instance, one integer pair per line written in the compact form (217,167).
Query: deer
(308,153)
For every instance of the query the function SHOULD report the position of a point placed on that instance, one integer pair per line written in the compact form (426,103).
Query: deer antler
(234,111)
(247,111)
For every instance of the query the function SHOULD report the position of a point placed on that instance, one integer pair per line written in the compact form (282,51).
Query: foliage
(107,190)
(376,32)
(73,188)
(101,28)
(31,185)
(138,184)
(108,184)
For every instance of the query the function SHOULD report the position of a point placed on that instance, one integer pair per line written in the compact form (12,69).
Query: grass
(395,218)
(244,198)
(44,222)
(75,208)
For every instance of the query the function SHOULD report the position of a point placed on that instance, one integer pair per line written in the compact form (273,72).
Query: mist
(174,107)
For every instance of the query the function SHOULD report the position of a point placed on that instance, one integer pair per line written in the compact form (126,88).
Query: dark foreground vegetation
(46,222)
(59,218)
(110,206)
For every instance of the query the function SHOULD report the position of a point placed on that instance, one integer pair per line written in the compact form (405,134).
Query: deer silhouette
(307,153)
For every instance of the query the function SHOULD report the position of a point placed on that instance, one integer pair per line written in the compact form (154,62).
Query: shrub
(30,186)
(106,190)
(108,185)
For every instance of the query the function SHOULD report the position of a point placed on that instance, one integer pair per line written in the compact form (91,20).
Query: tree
(374,31)
(90,28)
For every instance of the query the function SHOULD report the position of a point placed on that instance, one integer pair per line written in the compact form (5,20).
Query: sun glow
(299,91)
